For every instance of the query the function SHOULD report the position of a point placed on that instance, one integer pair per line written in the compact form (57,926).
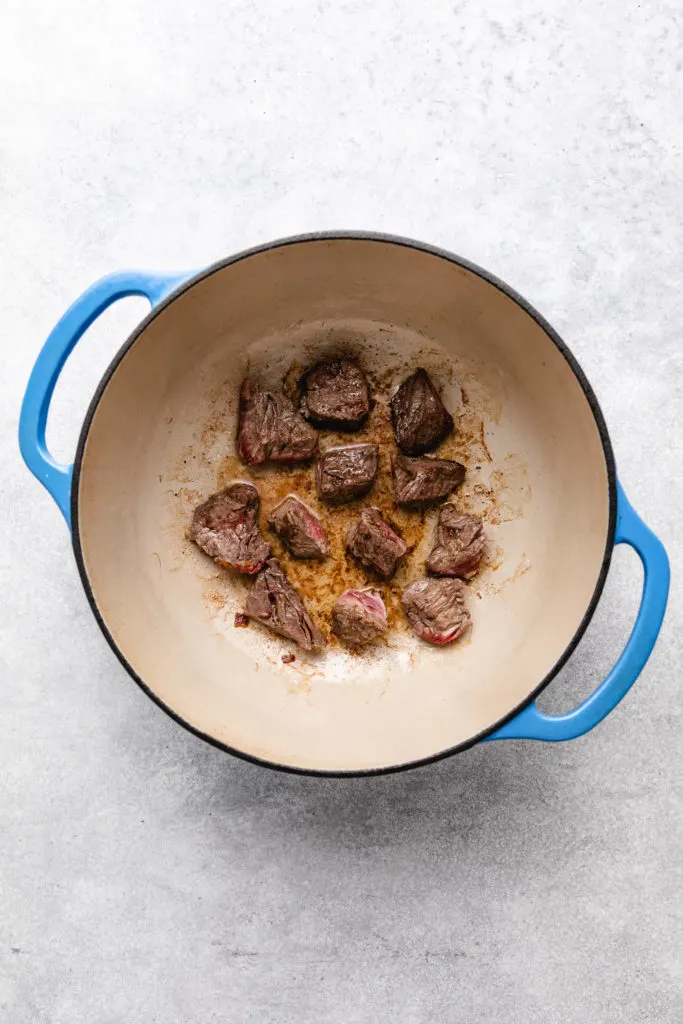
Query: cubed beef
(419,416)
(270,428)
(436,609)
(299,529)
(226,527)
(374,544)
(347,472)
(424,479)
(335,394)
(459,546)
(275,603)
(359,616)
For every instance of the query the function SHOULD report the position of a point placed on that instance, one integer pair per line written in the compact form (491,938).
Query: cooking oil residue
(483,586)
(503,497)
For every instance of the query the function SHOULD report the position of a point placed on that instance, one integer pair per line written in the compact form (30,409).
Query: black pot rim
(368,236)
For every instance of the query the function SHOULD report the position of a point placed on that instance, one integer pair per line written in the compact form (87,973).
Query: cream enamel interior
(337,714)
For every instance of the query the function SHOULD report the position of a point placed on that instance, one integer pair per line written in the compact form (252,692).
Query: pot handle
(532,724)
(55,476)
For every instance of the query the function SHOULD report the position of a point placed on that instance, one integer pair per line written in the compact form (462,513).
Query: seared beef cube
(374,544)
(459,546)
(226,527)
(345,473)
(436,609)
(335,394)
(300,531)
(419,416)
(275,603)
(270,428)
(359,616)
(426,479)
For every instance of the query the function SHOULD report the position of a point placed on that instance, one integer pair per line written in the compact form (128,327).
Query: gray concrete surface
(148,878)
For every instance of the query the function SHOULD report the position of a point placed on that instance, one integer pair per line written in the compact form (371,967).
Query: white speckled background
(148,878)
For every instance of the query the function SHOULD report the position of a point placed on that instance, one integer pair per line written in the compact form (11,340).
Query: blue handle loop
(55,476)
(532,724)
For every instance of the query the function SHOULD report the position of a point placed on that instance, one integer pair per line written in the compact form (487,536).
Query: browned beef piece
(347,472)
(420,418)
(459,546)
(274,602)
(359,616)
(300,530)
(426,479)
(226,527)
(335,394)
(436,609)
(374,544)
(270,428)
